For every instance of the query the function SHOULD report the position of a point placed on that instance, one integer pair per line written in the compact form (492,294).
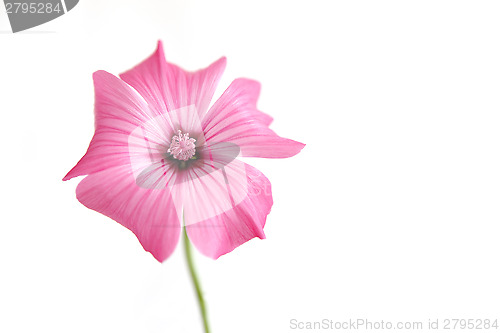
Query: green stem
(196,281)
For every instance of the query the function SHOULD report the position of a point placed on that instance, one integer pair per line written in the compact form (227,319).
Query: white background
(391,212)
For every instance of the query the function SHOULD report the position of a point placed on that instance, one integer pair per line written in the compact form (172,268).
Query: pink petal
(155,170)
(263,118)
(243,221)
(119,110)
(148,213)
(167,87)
(234,118)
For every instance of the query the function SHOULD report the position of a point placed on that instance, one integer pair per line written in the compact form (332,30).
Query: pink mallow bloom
(161,158)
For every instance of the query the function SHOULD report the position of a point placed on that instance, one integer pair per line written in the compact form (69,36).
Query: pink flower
(160,155)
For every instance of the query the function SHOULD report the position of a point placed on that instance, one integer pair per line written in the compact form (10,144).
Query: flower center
(182,146)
